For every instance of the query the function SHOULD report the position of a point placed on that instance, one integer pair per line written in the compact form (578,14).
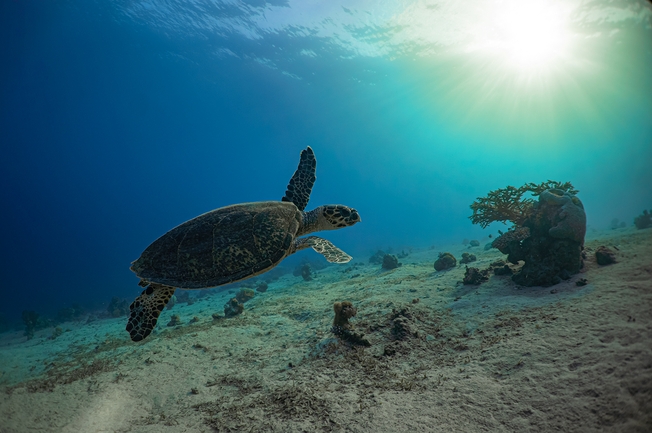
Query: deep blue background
(114,132)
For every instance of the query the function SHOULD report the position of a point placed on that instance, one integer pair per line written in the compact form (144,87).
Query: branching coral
(508,204)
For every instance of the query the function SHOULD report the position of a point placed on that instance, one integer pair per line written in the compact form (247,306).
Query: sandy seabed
(444,357)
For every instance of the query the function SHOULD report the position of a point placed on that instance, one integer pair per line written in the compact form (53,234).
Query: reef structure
(548,234)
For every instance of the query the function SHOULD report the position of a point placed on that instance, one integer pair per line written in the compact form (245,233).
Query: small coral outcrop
(644,220)
(605,256)
(445,261)
(233,308)
(467,258)
(548,233)
(474,276)
(390,261)
(341,326)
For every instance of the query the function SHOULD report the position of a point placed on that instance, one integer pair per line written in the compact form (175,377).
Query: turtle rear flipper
(146,309)
(323,247)
(300,186)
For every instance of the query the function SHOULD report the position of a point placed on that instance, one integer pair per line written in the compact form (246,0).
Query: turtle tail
(145,310)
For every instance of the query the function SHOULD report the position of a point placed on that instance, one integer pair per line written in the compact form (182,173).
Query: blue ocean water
(122,119)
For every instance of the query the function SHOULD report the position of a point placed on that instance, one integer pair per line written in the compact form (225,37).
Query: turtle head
(337,216)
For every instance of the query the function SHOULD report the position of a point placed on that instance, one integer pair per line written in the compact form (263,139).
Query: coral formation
(341,326)
(570,220)
(475,276)
(474,243)
(644,220)
(511,240)
(233,308)
(390,261)
(262,287)
(467,258)
(343,312)
(508,204)
(548,234)
(445,261)
(604,256)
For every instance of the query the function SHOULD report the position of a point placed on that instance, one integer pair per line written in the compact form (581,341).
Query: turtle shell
(222,246)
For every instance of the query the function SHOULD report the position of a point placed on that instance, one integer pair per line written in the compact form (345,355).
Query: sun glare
(528,35)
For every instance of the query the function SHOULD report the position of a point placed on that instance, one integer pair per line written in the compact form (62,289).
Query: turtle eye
(355,216)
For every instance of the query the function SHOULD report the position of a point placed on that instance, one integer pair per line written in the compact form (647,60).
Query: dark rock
(390,261)
(445,261)
(605,256)
(262,287)
(474,243)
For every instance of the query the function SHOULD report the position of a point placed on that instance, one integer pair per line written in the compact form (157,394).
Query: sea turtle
(233,243)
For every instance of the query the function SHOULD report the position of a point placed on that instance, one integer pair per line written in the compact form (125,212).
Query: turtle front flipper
(146,309)
(300,186)
(323,247)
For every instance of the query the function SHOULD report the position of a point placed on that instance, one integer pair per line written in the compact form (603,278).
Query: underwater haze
(122,119)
